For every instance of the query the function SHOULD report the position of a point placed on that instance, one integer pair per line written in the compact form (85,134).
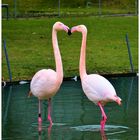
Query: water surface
(74,116)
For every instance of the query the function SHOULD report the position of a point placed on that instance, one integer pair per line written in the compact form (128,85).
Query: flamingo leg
(104,117)
(49,111)
(39,112)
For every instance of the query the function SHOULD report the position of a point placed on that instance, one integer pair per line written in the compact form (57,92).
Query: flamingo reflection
(40,131)
(103,135)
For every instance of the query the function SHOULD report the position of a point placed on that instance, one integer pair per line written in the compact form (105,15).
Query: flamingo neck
(57,56)
(82,65)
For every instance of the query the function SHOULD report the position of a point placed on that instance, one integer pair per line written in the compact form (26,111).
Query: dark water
(74,116)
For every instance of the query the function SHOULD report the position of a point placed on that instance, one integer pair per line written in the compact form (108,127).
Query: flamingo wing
(44,84)
(97,88)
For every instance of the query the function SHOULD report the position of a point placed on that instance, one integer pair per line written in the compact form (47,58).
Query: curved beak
(66,28)
(69,32)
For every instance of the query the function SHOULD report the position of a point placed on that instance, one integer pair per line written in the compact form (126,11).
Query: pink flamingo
(97,89)
(46,82)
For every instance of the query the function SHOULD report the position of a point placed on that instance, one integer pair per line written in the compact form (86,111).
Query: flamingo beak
(66,28)
(69,32)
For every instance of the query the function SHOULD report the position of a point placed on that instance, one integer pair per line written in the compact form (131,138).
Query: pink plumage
(97,88)
(46,82)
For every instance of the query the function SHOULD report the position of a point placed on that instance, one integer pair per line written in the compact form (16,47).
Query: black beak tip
(69,32)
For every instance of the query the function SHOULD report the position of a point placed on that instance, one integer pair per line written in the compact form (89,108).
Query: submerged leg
(49,131)
(39,128)
(39,112)
(39,118)
(104,117)
(49,111)
(103,135)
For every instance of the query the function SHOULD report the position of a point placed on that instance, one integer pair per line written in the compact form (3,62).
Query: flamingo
(46,82)
(97,88)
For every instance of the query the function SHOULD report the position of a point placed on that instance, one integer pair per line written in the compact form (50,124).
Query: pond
(74,116)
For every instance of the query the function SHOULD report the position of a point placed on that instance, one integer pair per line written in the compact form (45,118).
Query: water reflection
(103,135)
(74,116)
(130,88)
(49,131)
(7,103)
(95,128)
(40,131)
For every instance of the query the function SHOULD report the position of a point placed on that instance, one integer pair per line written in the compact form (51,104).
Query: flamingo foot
(104,117)
(50,126)
(39,120)
(50,120)
(49,130)
(39,125)
(103,121)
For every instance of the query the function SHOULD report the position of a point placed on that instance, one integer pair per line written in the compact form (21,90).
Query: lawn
(29,45)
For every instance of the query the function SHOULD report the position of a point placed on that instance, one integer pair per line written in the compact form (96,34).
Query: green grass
(29,45)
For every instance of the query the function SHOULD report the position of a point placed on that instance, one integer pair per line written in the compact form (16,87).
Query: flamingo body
(97,88)
(45,84)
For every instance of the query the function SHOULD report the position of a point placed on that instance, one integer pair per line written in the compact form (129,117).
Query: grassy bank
(30,49)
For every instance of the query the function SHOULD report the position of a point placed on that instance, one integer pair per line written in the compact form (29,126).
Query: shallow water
(74,116)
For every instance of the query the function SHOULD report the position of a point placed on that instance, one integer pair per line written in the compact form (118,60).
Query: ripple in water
(108,128)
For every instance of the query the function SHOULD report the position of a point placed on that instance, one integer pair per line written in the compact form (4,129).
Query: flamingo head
(79,28)
(58,26)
